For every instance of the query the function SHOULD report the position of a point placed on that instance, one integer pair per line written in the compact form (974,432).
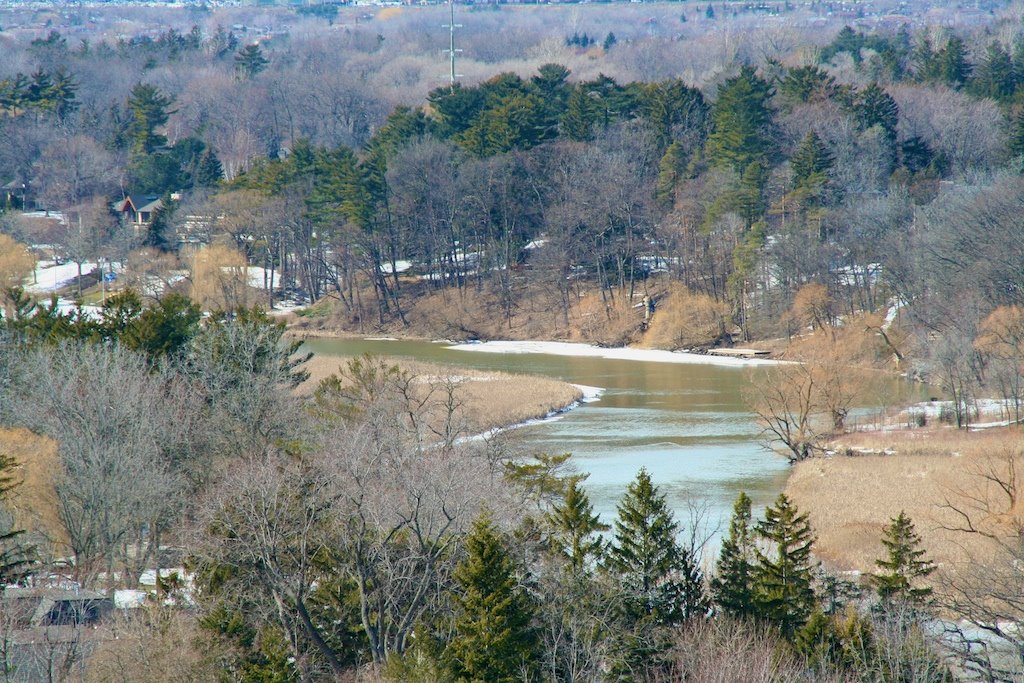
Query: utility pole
(451,26)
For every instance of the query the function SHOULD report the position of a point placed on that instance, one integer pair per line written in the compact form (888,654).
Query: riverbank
(929,473)
(486,400)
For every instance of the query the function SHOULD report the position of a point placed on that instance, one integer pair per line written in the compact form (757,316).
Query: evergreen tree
(952,66)
(662,581)
(732,586)
(578,120)
(250,61)
(575,528)
(742,122)
(806,83)
(784,573)
(811,162)
(63,95)
(160,232)
(917,155)
(209,170)
(748,199)
(1016,141)
(609,41)
(15,556)
(553,90)
(672,104)
(904,564)
(875,107)
(493,640)
(671,167)
(148,110)
(40,90)
(994,76)
(163,330)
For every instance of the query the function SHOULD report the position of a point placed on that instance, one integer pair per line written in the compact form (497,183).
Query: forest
(844,193)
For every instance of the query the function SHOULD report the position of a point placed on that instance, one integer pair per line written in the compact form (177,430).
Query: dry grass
(850,499)
(34,501)
(487,399)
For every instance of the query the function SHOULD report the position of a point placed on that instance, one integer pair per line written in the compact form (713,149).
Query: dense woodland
(780,181)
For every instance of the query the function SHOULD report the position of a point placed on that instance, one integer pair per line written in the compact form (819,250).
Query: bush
(683,319)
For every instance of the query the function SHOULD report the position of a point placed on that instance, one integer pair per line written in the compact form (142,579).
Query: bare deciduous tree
(119,425)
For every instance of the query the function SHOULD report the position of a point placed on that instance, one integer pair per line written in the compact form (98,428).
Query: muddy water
(686,423)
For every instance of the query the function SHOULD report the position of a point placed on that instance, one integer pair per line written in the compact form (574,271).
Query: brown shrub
(684,319)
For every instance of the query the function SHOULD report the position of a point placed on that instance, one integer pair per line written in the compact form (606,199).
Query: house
(35,607)
(46,631)
(14,193)
(138,210)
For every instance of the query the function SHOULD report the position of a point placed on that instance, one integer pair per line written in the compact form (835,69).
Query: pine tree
(784,574)
(148,110)
(732,586)
(493,640)
(609,41)
(742,122)
(250,61)
(661,578)
(575,528)
(904,564)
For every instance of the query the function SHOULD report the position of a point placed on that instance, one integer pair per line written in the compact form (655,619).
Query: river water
(686,423)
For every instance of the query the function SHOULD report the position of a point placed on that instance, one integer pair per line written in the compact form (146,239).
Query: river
(686,423)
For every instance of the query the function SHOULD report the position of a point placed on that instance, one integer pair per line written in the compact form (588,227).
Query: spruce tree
(904,564)
(732,586)
(811,162)
(662,580)
(209,170)
(575,528)
(783,577)
(493,640)
(875,107)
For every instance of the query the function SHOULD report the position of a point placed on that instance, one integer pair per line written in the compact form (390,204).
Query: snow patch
(619,353)
(50,277)
(590,394)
